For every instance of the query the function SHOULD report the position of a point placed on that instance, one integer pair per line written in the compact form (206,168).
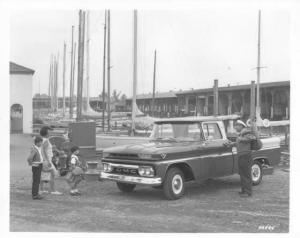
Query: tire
(256,173)
(174,185)
(126,187)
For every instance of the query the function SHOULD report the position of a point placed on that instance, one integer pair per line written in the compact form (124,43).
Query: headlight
(107,167)
(145,156)
(146,171)
(105,154)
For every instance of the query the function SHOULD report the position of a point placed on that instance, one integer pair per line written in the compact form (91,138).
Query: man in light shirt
(47,155)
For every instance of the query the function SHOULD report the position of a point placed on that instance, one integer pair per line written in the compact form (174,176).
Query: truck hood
(153,148)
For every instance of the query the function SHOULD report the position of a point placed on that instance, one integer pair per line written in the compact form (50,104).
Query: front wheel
(174,184)
(256,173)
(126,187)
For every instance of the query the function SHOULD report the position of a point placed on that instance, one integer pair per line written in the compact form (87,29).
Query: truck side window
(212,131)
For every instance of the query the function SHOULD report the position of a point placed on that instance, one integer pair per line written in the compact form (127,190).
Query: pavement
(211,206)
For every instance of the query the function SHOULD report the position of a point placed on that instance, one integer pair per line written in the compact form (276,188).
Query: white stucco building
(20,98)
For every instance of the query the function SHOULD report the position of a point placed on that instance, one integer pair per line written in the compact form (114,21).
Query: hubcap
(177,184)
(255,172)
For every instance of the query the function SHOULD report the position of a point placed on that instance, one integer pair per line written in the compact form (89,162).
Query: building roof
(236,87)
(19,69)
(169,94)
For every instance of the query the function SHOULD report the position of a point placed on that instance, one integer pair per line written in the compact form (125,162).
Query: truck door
(220,155)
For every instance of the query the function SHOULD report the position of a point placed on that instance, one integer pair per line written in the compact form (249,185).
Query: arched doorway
(16,118)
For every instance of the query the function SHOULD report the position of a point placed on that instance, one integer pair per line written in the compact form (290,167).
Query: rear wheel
(174,184)
(256,173)
(126,187)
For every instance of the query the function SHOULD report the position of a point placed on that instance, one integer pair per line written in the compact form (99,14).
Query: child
(75,175)
(35,160)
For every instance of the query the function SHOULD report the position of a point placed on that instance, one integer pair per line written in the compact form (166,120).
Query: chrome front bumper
(130,179)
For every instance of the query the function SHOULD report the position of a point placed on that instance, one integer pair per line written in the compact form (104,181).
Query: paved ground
(213,206)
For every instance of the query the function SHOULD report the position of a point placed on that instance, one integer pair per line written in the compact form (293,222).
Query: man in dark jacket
(243,145)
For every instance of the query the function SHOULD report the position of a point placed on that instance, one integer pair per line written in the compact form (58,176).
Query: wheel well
(262,160)
(186,169)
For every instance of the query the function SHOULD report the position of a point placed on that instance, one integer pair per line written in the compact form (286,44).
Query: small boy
(76,173)
(35,160)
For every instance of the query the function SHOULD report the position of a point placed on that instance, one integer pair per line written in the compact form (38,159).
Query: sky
(194,47)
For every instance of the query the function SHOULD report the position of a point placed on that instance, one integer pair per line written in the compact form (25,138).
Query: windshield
(177,131)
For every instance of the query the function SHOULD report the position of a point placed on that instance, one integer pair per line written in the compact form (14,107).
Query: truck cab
(181,150)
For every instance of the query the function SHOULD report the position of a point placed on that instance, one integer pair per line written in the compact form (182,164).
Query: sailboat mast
(56,83)
(108,70)
(73,74)
(88,59)
(258,66)
(80,63)
(153,89)
(104,69)
(64,79)
(52,83)
(71,77)
(50,76)
(133,113)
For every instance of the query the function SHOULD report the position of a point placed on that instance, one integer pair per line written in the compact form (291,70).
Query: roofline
(235,87)
(24,71)
(198,118)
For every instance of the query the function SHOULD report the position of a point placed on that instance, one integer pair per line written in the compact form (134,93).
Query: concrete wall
(21,93)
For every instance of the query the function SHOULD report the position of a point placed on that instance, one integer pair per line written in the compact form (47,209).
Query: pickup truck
(181,150)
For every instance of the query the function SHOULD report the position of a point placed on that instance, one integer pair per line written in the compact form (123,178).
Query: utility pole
(80,63)
(133,113)
(71,76)
(104,69)
(252,105)
(216,98)
(153,90)
(108,70)
(64,79)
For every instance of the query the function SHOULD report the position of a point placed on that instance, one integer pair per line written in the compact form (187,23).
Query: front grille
(117,155)
(125,171)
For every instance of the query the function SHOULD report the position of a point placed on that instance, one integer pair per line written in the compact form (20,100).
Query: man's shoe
(38,197)
(244,195)
(74,193)
(56,193)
